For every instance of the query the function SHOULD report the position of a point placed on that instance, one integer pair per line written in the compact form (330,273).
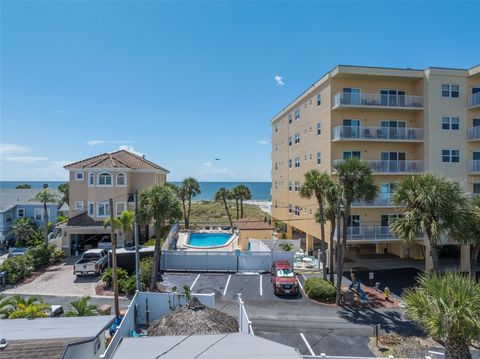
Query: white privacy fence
(222,261)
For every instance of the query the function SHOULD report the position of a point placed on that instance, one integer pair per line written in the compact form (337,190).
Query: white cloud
(52,171)
(279,80)
(10,148)
(101,142)
(130,149)
(262,142)
(209,171)
(26,159)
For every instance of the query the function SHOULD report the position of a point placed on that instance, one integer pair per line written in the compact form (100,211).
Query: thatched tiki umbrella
(194,318)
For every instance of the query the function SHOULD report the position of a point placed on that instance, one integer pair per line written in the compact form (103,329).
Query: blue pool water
(208,239)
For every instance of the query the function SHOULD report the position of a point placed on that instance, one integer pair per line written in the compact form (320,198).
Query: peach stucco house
(93,181)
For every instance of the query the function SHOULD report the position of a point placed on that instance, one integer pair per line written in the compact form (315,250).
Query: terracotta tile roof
(252,224)
(83,220)
(117,159)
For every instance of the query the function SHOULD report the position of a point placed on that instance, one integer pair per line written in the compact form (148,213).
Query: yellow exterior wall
(245,235)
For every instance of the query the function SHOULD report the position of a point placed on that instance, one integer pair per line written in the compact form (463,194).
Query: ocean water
(261,191)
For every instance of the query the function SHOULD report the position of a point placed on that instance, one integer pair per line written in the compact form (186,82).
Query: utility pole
(137,249)
(114,260)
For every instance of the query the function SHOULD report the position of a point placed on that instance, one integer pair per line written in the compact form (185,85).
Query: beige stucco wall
(245,235)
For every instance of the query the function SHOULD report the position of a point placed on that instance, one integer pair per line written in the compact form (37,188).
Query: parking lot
(253,287)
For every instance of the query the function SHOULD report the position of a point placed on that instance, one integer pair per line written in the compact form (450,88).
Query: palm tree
(160,205)
(82,308)
(45,196)
(23,229)
(333,214)
(125,223)
(317,184)
(31,308)
(236,196)
(7,306)
(448,308)
(244,194)
(469,233)
(356,183)
(191,188)
(433,207)
(222,196)
(64,189)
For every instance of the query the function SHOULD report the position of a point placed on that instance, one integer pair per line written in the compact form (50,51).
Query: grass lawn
(205,212)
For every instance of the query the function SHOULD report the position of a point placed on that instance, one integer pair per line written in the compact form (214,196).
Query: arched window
(91,179)
(105,179)
(121,179)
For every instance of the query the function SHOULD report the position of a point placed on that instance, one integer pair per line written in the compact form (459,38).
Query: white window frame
(290,163)
(449,121)
(104,185)
(103,204)
(319,158)
(124,204)
(42,214)
(319,99)
(319,128)
(125,179)
(450,155)
(449,89)
(297,114)
(91,176)
(78,205)
(21,209)
(79,176)
(297,186)
(297,161)
(297,138)
(290,118)
(290,187)
(91,209)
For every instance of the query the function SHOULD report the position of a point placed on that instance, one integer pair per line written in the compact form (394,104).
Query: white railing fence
(370,233)
(244,323)
(377,133)
(474,166)
(431,355)
(388,166)
(474,133)
(377,100)
(474,99)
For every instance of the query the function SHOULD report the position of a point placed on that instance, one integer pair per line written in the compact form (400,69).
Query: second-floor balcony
(474,100)
(392,167)
(370,233)
(474,166)
(384,200)
(474,133)
(361,133)
(375,100)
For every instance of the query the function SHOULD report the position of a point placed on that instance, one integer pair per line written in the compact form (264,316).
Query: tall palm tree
(64,189)
(31,308)
(222,196)
(191,187)
(244,194)
(356,183)
(236,196)
(125,222)
(317,184)
(23,229)
(448,308)
(160,205)
(45,196)
(469,233)
(433,207)
(82,308)
(333,214)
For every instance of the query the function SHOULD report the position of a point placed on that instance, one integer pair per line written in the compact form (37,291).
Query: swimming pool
(208,239)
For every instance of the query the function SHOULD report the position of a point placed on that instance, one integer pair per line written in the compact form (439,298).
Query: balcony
(474,166)
(382,201)
(474,100)
(371,233)
(381,101)
(395,134)
(392,167)
(474,133)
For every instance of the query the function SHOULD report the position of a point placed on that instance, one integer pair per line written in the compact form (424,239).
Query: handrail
(474,100)
(474,133)
(377,100)
(377,133)
(387,166)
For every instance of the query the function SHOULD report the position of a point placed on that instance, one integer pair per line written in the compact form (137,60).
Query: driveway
(58,281)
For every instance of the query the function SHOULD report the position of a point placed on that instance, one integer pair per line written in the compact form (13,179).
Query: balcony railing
(474,133)
(377,100)
(371,233)
(382,201)
(474,166)
(377,133)
(392,167)
(474,100)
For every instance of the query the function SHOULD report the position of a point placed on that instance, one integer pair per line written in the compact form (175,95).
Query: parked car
(93,261)
(283,278)
(105,243)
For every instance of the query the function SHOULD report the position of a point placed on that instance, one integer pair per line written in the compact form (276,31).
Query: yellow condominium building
(402,121)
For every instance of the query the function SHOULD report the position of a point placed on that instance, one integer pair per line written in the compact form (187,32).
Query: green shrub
(17,268)
(287,247)
(40,255)
(122,274)
(127,285)
(320,289)
(146,265)
(56,256)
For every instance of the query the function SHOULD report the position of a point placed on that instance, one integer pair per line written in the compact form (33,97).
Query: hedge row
(320,289)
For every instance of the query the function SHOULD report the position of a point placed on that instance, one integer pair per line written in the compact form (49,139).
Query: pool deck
(183,238)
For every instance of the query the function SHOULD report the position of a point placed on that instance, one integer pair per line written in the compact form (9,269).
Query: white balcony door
(393,98)
(351,96)
(393,129)
(351,128)
(393,161)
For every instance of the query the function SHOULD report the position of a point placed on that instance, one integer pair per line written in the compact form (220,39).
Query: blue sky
(185,83)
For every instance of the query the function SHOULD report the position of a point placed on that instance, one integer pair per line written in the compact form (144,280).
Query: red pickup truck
(283,278)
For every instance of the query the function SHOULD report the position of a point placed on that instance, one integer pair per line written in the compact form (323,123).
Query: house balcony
(474,100)
(395,134)
(380,101)
(474,133)
(380,202)
(392,167)
(474,166)
(370,233)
